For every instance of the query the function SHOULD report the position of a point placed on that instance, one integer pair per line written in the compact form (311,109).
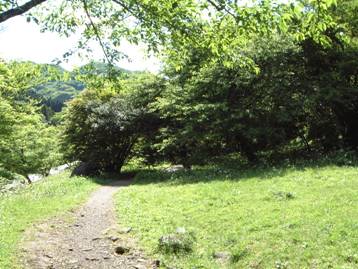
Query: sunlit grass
(266,218)
(42,200)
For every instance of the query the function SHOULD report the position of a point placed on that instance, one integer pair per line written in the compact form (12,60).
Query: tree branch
(19,10)
(126,8)
(93,25)
(123,6)
(221,8)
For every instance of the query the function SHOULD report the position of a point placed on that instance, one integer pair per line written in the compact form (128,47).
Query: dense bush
(304,97)
(102,125)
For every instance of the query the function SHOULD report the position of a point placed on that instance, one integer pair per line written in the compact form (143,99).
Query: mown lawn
(266,218)
(42,200)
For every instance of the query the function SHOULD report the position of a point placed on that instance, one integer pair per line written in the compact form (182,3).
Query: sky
(20,40)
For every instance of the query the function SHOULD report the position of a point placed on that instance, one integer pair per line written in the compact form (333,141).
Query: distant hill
(56,92)
(99,68)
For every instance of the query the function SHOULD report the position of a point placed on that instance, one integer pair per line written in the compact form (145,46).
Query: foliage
(216,25)
(262,217)
(32,148)
(102,125)
(27,144)
(298,95)
(6,176)
(44,199)
(238,78)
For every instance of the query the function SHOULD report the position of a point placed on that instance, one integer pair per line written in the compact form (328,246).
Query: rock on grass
(178,242)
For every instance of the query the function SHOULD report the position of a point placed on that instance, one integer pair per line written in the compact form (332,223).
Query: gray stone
(222,256)
(92,259)
(174,168)
(114,238)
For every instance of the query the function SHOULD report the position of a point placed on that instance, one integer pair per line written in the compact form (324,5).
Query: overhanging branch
(19,10)
(221,8)
(96,32)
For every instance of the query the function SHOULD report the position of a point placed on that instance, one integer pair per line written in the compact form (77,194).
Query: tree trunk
(187,166)
(308,148)
(28,179)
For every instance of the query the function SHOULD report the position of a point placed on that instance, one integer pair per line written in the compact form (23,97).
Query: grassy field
(44,199)
(263,218)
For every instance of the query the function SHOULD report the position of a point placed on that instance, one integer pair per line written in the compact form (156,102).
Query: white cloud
(20,40)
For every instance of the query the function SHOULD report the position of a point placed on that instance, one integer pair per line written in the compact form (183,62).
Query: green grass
(42,200)
(266,218)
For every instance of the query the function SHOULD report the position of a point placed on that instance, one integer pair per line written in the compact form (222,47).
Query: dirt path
(88,238)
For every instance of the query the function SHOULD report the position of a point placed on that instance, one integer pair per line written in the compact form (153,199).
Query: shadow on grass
(227,171)
(222,173)
(122,179)
(203,175)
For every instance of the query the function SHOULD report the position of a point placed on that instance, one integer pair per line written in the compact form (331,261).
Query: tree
(173,25)
(297,95)
(27,144)
(101,127)
(31,148)
(252,79)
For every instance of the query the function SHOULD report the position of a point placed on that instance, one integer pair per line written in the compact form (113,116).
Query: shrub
(101,129)
(102,125)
